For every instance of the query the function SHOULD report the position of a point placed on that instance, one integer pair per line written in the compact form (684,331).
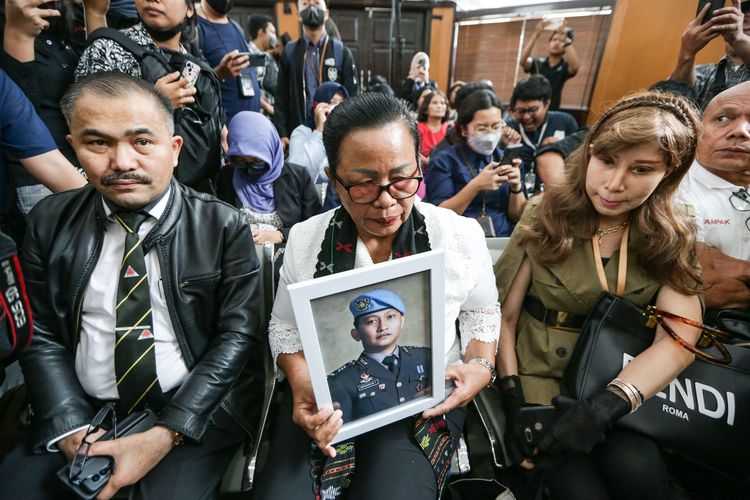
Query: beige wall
(642,47)
(441,41)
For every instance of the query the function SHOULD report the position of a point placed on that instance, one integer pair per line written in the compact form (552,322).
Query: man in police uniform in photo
(385,374)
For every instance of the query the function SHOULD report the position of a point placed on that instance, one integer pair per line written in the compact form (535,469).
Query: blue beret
(377,300)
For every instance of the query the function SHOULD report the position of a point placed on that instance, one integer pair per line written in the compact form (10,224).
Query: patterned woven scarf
(337,253)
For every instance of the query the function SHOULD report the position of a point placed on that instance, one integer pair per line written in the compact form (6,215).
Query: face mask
(220,6)
(254,170)
(160,35)
(313,17)
(272,42)
(484,144)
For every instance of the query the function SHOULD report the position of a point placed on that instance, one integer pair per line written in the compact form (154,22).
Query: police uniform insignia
(420,369)
(366,381)
(419,387)
(330,61)
(381,387)
(333,73)
(362,394)
(362,303)
(339,370)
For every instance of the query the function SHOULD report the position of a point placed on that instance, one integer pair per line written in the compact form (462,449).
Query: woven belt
(559,319)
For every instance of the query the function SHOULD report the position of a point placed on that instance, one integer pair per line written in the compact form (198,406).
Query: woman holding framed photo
(372,146)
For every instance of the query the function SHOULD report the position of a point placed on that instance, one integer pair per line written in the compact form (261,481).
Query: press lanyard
(622,267)
(321,58)
(526,139)
(483,193)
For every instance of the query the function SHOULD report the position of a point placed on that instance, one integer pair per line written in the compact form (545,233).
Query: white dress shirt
(720,225)
(95,355)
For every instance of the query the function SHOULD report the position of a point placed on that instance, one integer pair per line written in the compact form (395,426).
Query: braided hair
(676,106)
(567,218)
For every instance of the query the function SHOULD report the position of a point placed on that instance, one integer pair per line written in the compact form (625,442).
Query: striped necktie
(135,360)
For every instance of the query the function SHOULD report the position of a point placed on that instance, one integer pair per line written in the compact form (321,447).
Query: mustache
(108,180)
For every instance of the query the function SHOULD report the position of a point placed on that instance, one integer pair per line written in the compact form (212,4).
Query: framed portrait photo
(374,340)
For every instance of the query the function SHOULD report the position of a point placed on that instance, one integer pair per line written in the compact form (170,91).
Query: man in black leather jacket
(202,300)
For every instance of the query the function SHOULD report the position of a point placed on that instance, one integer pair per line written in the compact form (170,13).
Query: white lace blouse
(470,292)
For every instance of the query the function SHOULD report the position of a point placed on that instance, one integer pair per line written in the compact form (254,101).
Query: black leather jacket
(211,285)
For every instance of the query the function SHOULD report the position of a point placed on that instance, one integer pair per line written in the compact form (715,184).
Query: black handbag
(703,415)
(735,322)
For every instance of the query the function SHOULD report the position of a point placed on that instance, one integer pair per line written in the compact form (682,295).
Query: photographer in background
(561,62)
(225,47)
(315,58)
(40,53)
(262,39)
(709,80)
(535,122)
(418,79)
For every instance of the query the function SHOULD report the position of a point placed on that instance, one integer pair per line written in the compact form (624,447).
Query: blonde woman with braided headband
(617,200)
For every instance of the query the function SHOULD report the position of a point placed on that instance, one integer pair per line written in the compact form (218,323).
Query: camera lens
(95,478)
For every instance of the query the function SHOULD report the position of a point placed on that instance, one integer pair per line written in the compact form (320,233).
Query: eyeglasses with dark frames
(368,191)
(82,454)
(524,111)
(740,201)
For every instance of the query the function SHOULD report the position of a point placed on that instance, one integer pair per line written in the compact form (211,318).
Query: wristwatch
(177,438)
(486,364)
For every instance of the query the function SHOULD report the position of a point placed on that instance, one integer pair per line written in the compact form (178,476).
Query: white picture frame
(316,307)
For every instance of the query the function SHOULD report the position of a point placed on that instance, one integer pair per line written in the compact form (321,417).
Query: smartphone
(55,5)
(510,154)
(553,23)
(97,469)
(190,71)
(257,60)
(536,422)
(715,4)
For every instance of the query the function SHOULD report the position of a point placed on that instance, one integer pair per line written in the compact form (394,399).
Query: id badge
(246,85)
(485,222)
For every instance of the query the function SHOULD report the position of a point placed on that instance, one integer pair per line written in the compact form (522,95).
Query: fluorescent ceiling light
(469,5)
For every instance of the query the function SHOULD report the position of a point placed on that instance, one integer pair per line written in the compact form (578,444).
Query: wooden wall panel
(287,23)
(492,50)
(489,52)
(441,45)
(642,48)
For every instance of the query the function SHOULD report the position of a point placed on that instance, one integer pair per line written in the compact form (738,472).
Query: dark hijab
(324,93)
